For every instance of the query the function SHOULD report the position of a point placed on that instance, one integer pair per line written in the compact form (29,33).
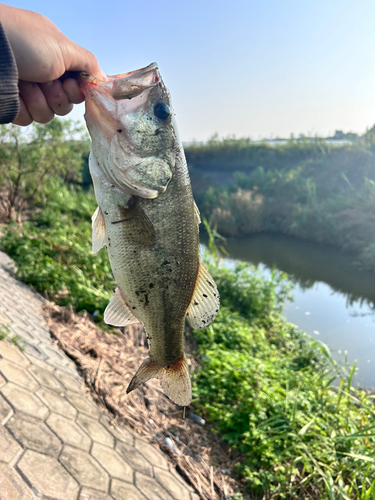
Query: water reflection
(308,264)
(333,300)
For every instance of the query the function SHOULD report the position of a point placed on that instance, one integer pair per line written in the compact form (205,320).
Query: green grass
(5,334)
(264,385)
(53,250)
(267,387)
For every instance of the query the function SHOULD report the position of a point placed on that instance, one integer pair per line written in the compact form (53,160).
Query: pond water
(333,300)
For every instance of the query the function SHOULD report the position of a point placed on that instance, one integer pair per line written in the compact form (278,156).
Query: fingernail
(25,86)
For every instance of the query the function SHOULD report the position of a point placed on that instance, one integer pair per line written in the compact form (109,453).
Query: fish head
(130,120)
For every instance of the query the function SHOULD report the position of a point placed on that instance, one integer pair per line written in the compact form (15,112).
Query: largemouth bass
(147,219)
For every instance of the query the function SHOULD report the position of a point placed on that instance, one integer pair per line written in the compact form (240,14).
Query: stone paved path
(55,443)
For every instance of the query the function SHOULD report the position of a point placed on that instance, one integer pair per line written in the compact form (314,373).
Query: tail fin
(175,379)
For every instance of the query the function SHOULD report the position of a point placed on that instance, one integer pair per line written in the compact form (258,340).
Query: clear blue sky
(244,67)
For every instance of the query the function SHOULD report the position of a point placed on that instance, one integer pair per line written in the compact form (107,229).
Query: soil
(107,362)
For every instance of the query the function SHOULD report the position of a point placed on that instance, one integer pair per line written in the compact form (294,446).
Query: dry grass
(107,363)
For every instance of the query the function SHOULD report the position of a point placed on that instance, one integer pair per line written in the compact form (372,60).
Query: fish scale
(148,221)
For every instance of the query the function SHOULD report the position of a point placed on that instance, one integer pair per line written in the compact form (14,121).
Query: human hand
(43,55)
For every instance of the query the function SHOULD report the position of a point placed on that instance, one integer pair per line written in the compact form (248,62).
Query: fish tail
(175,379)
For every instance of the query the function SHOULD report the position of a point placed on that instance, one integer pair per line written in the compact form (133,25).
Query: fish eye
(162,111)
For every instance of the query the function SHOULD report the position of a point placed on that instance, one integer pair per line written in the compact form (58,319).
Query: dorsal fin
(117,312)
(205,302)
(99,238)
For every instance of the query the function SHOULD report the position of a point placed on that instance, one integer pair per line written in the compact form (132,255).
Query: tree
(29,157)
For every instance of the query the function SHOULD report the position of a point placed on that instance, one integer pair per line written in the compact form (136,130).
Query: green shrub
(267,388)
(53,250)
(318,193)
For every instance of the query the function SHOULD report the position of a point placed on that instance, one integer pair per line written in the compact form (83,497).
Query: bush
(53,250)
(267,388)
(314,192)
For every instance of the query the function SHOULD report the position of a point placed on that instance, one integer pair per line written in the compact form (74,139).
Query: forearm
(9,96)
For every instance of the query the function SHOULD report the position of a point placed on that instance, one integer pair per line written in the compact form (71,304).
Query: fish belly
(154,253)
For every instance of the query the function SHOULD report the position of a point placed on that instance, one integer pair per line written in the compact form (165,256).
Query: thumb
(80,59)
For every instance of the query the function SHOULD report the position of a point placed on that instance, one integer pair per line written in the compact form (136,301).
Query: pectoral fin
(139,228)
(197,213)
(99,238)
(117,312)
(205,303)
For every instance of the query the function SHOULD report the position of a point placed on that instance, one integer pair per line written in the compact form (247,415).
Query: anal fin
(99,238)
(117,312)
(205,302)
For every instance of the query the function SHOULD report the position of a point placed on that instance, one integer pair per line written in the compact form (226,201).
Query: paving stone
(25,332)
(69,432)
(9,447)
(151,488)
(5,260)
(39,329)
(152,454)
(34,360)
(70,382)
(23,400)
(53,353)
(121,433)
(18,375)
(171,484)
(60,365)
(112,462)
(134,458)
(83,403)
(4,319)
(12,487)
(33,310)
(35,351)
(3,307)
(88,494)
(72,421)
(10,302)
(13,353)
(19,320)
(57,403)
(33,433)
(5,409)
(42,335)
(95,430)
(125,491)
(47,476)
(45,378)
(84,468)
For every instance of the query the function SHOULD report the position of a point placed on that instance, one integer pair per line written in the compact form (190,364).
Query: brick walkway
(55,443)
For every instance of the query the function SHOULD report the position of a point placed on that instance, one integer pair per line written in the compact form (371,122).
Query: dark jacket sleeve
(9,99)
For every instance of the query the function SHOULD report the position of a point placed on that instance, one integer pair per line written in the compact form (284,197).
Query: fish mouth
(120,96)
(126,85)
(136,82)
